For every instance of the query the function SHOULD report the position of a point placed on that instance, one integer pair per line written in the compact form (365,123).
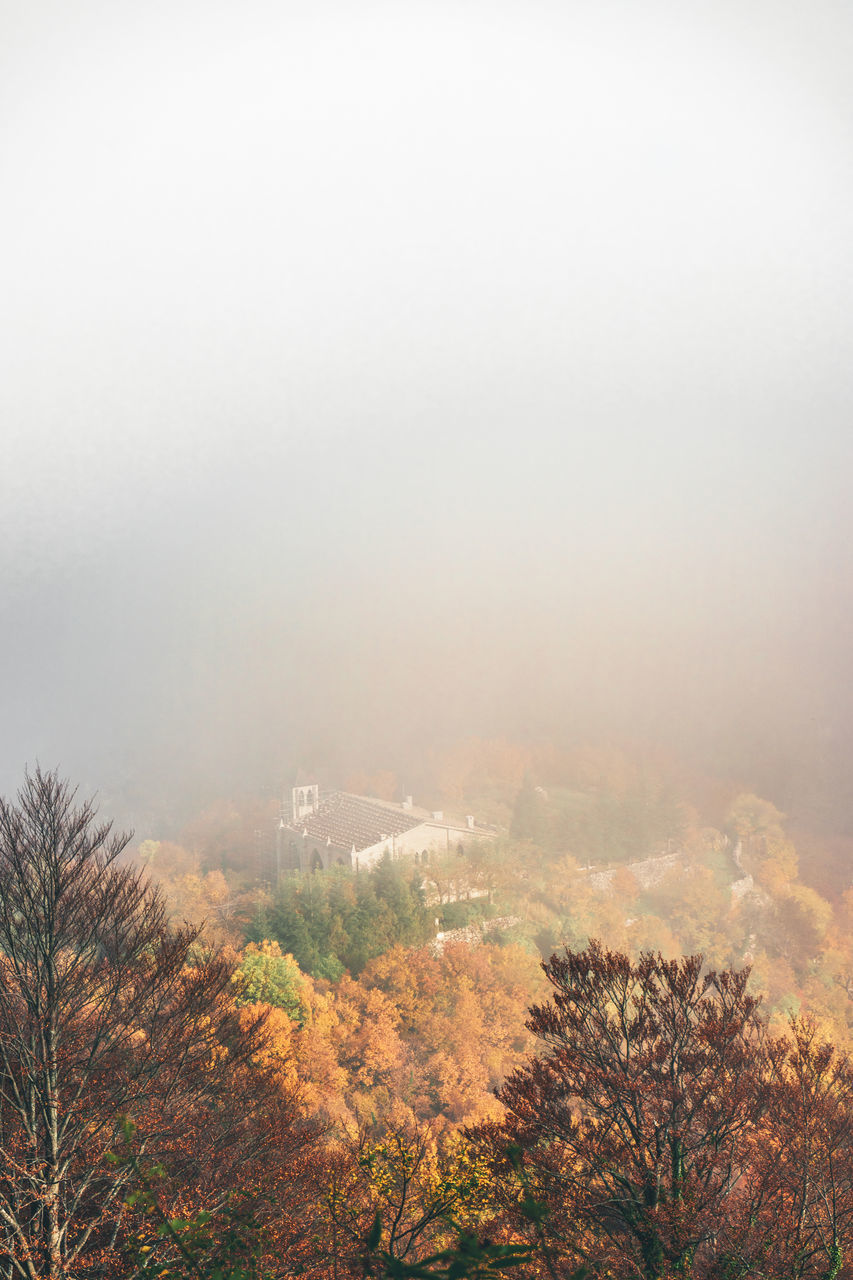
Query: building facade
(339,829)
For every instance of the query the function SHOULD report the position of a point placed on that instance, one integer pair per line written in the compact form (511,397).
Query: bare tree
(104,1010)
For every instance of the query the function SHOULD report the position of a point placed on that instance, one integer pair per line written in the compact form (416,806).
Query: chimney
(407,802)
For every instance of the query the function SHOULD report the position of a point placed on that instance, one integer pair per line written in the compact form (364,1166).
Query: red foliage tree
(796,1211)
(633,1124)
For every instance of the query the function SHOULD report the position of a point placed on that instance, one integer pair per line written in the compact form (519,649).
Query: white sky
(311,313)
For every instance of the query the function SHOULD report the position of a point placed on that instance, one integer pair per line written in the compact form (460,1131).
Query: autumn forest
(613,1040)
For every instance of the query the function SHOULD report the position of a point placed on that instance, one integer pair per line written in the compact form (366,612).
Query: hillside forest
(612,1040)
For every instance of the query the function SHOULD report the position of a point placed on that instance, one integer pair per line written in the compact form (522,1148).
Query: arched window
(316,861)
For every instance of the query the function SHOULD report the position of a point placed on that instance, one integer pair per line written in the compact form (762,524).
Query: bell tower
(304,801)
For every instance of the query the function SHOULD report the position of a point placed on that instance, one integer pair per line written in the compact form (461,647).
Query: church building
(340,829)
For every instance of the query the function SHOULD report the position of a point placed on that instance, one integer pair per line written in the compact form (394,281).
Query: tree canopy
(104,1009)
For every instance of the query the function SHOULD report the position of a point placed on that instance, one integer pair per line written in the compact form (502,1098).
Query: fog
(378,374)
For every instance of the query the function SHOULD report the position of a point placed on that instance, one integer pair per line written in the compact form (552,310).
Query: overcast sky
(373,373)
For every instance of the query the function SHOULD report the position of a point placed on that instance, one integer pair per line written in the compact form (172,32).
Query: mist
(378,375)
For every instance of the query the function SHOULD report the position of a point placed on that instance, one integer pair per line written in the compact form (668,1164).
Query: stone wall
(647,873)
(472,935)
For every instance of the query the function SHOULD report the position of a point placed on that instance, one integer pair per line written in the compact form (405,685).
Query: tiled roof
(348,821)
